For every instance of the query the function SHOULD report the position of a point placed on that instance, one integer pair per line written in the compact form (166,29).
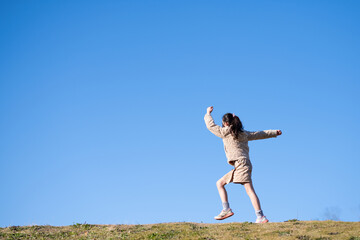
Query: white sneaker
(263,219)
(224,214)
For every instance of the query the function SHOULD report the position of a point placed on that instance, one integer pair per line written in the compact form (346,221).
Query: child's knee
(249,192)
(220,183)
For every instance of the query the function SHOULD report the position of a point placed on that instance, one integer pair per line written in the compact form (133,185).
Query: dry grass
(302,230)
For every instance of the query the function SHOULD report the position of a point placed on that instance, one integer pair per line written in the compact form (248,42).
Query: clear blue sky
(102,106)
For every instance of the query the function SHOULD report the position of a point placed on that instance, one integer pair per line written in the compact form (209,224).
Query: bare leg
(222,191)
(253,197)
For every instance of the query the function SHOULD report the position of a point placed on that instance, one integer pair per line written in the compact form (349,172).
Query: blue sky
(102,106)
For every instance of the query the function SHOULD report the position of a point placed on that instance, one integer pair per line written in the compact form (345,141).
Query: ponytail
(236,125)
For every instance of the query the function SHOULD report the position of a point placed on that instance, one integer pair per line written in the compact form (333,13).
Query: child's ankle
(226,206)
(259,214)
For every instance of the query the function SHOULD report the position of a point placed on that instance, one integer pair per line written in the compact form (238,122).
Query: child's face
(226,123)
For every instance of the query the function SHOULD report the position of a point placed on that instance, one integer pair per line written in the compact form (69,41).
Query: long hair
(236,125)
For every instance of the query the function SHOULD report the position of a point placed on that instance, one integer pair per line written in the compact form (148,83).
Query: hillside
(303,230)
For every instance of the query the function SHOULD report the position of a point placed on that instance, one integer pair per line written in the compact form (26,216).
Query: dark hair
(236,126)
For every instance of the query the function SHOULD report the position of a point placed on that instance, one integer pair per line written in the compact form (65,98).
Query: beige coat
(236,149)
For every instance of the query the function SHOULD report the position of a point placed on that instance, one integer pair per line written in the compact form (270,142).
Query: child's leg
(253,197)
(226,212)
(222,191)
(260,218)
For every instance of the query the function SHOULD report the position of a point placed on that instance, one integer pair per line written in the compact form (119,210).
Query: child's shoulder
(225,130)
(242,136)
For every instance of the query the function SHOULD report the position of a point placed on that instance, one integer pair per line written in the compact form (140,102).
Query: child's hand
(210,109)
(279,132)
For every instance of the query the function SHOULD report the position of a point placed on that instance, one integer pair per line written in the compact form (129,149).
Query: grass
(291,229)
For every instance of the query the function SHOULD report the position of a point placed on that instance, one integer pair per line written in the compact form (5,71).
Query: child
(236,147)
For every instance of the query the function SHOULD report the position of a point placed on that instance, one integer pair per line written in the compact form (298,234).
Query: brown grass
(303,230)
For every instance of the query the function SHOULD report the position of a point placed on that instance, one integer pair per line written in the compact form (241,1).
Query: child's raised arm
(210,124)
(263,134)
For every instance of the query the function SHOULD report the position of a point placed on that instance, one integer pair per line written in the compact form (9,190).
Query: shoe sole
(263,221)
(226,216)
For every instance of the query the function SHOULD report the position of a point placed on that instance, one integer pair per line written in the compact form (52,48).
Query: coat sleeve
(261,134)
(215,129)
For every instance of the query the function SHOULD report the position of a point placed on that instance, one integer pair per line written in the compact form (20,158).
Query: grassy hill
(293,229)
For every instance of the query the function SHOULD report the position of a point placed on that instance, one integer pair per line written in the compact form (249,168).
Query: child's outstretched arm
(210,124)
(263,134)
